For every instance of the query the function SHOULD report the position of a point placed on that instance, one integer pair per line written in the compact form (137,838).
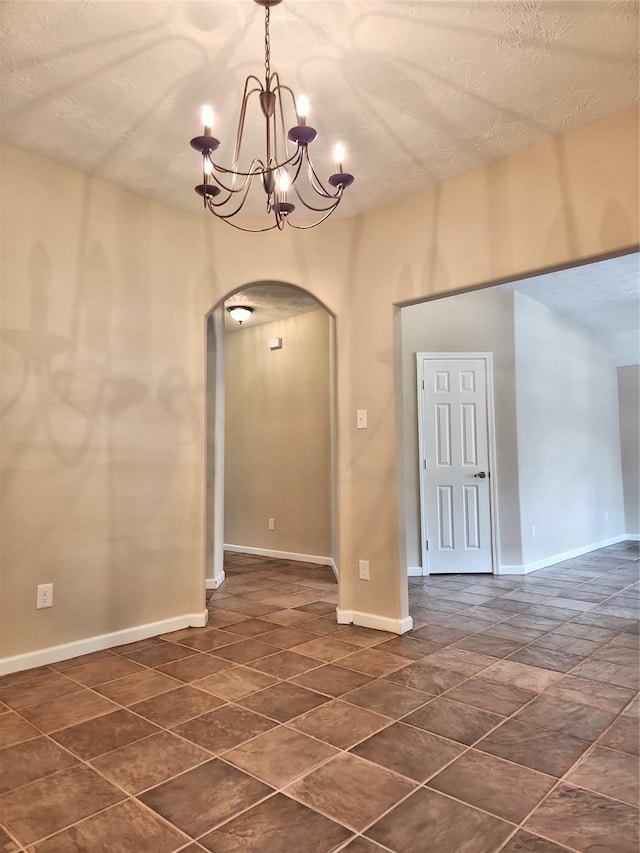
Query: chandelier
(285,171)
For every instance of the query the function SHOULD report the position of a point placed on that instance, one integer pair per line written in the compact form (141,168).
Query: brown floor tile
(251,628)
(350,790)
(283,702)
(611,673)
(279,756)
(105,669)
(135,647)
(522,675)
(571,645)
(328,648)
(103,734)
(622,735)
(423,676)
(318,608)
(277,825)
(504,789)
(40,688)
(13,729)
(459,660)
(148,762)
(453,720)
(611,773)
(285,664)
(127,826)
(408,751)
(188,803)
(138,687)
(325,626)
(289,618)
(236,682)
(7,845)
(540,749)
(160,653)
(409,647)
(586,821)
(245,651)
(224,618)
(340,724)
(526,842)
(70,796)
(224,728)
(618,654)
(570,718)
(437,634)
(373,662)
(363,845)
(31,760)
(212,639)
(68,710)
(451,827)
(194,668)
(63,665)
(332,680)
(497,647)
(491,696)
(385,697)
(598,694)
(364,637)
(546,658)
(285,638)
(176,706)
(586,632)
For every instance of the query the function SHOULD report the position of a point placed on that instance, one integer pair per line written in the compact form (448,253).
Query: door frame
(487,357)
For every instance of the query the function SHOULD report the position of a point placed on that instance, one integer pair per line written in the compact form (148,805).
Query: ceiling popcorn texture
(417,91)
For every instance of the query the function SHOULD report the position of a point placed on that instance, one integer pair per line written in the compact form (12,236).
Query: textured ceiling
(418,91)
(603,297)
(270,301)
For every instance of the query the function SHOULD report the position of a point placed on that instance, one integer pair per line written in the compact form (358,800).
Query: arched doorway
(271,432)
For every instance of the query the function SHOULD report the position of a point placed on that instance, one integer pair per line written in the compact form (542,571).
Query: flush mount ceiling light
(284,170)
(240,313)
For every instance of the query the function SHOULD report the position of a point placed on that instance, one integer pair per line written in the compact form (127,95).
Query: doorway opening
(565,347)
(271,431)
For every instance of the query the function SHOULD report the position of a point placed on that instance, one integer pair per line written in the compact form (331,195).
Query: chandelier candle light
(285,170)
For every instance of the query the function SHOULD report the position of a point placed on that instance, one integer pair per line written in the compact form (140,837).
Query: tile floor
(507,720)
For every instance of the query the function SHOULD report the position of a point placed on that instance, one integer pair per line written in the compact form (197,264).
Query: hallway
(507,720)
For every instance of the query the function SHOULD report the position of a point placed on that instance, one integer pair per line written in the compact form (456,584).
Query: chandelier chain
(267,45)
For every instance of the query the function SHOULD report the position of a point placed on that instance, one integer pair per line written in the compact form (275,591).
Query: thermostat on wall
(275,343)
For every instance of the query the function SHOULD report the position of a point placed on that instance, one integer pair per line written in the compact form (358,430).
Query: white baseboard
(215,583)
(414,571)
(369,620)
(53,654)
(334,569)
(525,568)
(632,537)
(282,555)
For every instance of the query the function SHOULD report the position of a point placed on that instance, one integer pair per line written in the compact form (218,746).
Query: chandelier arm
(313,224)
(246,184)
(277,89)
(274,168)
(220,215)
(257,167)
(334,204)
(317,184)
(241,119)
(246,230)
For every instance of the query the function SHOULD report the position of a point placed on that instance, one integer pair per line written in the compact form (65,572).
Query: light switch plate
(361,418)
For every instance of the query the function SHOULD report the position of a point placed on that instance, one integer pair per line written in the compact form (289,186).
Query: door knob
(481,475)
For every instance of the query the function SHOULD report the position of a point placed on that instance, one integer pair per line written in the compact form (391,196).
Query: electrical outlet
(44,595)
(363,570)
(272,524)
(361,419)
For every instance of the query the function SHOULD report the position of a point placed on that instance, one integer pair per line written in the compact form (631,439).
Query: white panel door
(456,493)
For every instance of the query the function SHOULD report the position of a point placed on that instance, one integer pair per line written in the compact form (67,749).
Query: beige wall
(104,298)
(278,439)
(629,408)
(568,435)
